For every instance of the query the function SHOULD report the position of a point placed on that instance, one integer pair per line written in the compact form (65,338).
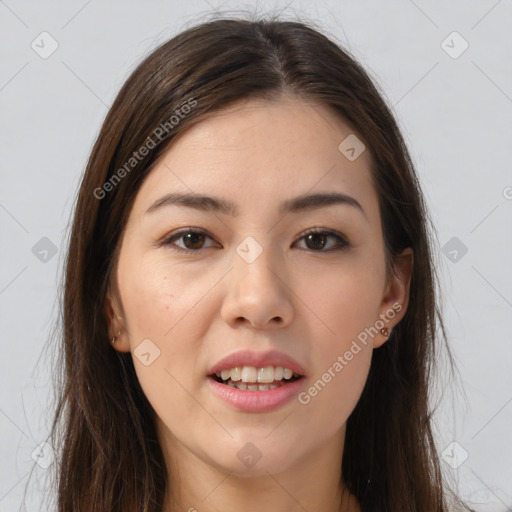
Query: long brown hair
(104,432)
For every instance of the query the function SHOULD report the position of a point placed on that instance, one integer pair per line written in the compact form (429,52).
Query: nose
(259,294)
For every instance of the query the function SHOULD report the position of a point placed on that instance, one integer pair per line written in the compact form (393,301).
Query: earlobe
(115,337)
(117,332)
(396,295)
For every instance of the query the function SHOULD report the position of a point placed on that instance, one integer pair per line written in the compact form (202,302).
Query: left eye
(316,240)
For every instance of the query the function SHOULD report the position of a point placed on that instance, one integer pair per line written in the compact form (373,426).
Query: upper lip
(258,360)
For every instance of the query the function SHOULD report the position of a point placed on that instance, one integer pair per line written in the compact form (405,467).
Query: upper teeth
(252,374)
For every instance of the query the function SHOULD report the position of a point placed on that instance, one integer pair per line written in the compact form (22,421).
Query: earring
(384,331)
(119,333)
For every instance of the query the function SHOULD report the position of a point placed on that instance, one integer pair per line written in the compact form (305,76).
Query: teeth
(287,373)
(251,387)
(251,375)
(236,373)
(266,375)
(278,373)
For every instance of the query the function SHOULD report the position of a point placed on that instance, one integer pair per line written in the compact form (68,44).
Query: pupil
(312,237)
(193,237)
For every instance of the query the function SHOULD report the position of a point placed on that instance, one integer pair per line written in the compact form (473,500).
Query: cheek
(343,306)
(162,304)
(167,304)
(340,372)
(333,391)
(160,298)
(342,300)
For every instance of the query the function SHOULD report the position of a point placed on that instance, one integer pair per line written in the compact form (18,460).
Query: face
(306,279)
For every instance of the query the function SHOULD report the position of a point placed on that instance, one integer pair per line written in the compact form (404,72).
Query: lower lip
(256,401)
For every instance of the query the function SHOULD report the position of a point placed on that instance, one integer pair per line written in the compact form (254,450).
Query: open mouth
(252,379)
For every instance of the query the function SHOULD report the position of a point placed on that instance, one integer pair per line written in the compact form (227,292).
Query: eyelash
(169,241)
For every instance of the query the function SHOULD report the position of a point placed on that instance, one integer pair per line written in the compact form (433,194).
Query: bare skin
(300,296)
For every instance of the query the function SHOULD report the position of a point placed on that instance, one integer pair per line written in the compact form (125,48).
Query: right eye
(193,240)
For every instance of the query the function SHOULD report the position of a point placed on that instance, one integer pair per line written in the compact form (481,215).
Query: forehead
(259,152)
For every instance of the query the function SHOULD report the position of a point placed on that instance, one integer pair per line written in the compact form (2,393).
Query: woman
(249,308)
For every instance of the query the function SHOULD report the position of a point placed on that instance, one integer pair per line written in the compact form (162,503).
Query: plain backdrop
(446,70)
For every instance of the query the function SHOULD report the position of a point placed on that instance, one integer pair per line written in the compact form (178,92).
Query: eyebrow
(213,204)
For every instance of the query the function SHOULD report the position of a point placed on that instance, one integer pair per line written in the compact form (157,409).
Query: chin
(254,458)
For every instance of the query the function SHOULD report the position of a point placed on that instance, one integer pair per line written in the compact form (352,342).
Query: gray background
(455,114)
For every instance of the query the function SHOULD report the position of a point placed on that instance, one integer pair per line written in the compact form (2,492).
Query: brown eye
(316,241)
(192,240)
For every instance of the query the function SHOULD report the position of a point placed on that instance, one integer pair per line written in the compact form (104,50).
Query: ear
(395,298)
(116,325)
